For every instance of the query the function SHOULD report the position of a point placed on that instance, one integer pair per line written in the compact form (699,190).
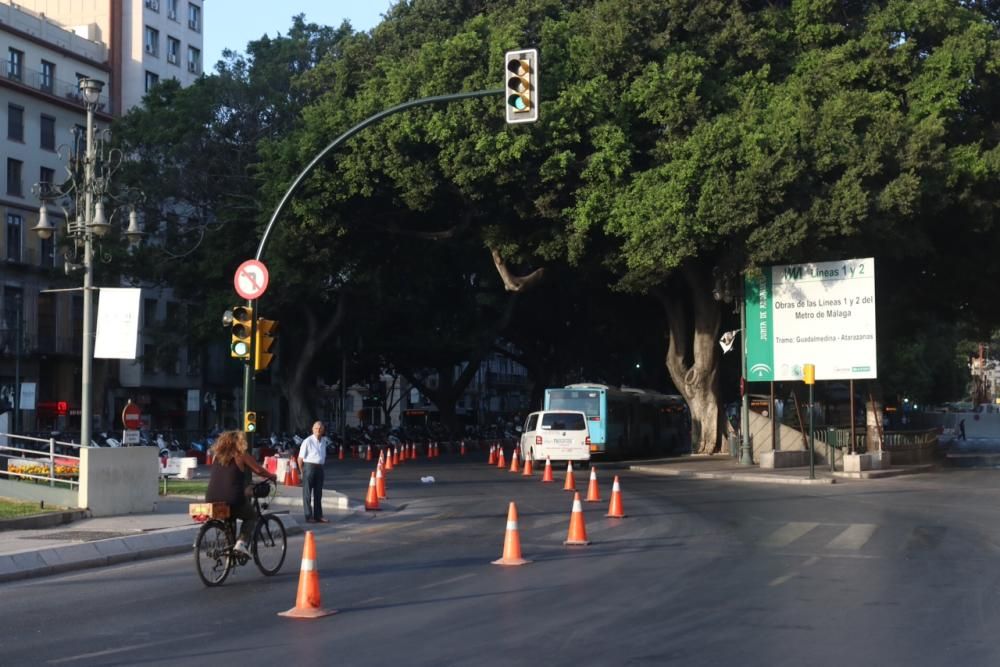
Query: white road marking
(788,533)
(853,537)
(123,649)
(447,581)
(783,579)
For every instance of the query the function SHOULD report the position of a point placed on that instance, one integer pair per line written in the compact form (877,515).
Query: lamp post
(86,224)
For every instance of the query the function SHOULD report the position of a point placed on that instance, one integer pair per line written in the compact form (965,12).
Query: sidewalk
(40,546)
(725,467)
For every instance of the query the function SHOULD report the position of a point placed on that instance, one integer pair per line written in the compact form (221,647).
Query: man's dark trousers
(312,488)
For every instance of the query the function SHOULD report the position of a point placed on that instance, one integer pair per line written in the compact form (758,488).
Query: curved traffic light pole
(248,370)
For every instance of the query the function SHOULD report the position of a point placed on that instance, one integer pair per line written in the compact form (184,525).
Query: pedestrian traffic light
(521,72)
(267,333)
(250,422)
(242,324)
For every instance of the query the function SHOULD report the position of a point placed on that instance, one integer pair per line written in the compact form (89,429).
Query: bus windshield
(587,401)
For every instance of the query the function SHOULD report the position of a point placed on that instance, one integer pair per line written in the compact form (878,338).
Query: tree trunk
(693,356)
(300,381)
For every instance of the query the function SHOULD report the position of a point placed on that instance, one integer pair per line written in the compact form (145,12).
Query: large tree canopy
(681,143)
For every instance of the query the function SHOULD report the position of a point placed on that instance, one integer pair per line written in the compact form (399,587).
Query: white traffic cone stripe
(577,507)
(308,565)
(512,525)
(615,487)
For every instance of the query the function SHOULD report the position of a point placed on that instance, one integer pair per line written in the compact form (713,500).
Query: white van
(561,435)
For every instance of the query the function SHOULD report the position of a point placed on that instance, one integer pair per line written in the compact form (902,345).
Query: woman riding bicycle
(230,482)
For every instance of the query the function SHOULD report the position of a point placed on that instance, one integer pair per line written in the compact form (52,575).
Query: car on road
(560,435)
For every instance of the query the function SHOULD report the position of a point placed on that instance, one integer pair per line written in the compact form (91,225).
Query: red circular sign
(130,416)
(251,279)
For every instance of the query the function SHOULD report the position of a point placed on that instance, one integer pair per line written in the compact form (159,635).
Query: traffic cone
(395,456)
(368,453)
(511,541)
(388,461)
(501,461)
(381,458)
(570,484)
(527,467)
(515,461)
(292,474)
(493,456)
(615,508)
(577,535)
(547,473)
(340,453)
(593,494)
(371,500)
(379,484)
(307,601)
(461,449)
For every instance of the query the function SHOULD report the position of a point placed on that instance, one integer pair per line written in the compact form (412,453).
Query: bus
(626,423)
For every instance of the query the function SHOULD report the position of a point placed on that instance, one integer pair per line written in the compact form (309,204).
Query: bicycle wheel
(213,553)
(269,544)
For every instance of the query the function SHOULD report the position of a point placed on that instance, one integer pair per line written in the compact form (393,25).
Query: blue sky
(230,24)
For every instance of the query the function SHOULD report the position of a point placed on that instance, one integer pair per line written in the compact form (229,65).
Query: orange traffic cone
(577,535)
(547,473)
(501,461)
(493,456)
(527,467)
(515,461)
(461,449)
(379,484)
(368,453)
(511,541)
(307,601)
(388,461)
(395,456)
(593,494)
(371,500)
(292,474)
(340,453)
(570,484)
(615,508)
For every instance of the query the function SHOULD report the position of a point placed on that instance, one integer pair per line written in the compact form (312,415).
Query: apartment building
(48,45)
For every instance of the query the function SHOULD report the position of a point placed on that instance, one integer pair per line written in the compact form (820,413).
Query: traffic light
(521,72)
(242,324)
(250,422)
(267,332)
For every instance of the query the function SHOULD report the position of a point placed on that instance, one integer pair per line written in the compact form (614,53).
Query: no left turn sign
(250,279)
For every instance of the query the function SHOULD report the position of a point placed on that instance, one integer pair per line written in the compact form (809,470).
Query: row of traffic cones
(575,536)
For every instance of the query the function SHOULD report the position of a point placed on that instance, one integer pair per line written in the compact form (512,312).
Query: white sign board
(117,323)
(821,313)
(130,437)
(193,400)
(27,396)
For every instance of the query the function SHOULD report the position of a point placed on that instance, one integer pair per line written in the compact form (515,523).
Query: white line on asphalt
(853,537)
(122,649)
(788,533)
(783,579)
(812,561)
(374,599)
(447,581)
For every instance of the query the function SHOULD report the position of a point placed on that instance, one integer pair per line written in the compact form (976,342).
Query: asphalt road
(898,571)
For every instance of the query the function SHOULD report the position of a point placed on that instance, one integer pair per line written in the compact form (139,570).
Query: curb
(891,472)
(46,520)
(100,553)
(760,478)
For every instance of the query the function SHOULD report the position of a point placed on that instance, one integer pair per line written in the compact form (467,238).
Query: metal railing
(47,453)
(47,83)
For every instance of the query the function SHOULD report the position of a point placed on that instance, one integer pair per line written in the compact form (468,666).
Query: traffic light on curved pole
(241,329)
(267,332)
(521,96)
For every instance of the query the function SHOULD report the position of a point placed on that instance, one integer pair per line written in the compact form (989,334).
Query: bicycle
(214,555)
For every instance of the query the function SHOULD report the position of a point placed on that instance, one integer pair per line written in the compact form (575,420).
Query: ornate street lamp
(83,205)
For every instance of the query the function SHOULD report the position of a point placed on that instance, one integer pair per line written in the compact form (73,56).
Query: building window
(152,41)
(48,253)
(173,51)
(48,132)
(194,17)
(15,64)
(15,123)
(172,9)
(194,59)
(151,80)
(148,359)
(13,309)
(14,176)
(13,236)
(47,81)
(153,4)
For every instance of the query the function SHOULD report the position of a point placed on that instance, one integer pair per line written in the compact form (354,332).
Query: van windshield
(564,421)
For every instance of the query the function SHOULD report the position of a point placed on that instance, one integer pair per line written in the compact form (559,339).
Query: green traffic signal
(241,328)
(521,86)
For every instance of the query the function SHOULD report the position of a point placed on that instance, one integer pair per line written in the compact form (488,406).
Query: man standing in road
(312,456)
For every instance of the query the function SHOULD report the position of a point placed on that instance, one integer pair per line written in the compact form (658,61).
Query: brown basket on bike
(202,512)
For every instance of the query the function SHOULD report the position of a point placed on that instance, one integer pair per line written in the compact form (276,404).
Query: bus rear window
(564,421)
(571,399)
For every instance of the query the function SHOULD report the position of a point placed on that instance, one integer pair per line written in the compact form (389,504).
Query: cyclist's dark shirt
(225,485)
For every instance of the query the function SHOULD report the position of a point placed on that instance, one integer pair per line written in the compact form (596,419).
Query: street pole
(809,377)
(19,331)
(86,409)
(746,455)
